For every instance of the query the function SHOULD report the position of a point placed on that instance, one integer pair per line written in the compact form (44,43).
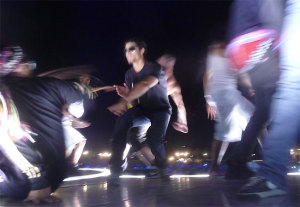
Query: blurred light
(295,173)
(177,154)
(190,176)
(132,176)
(104,154)
(84,188)
(85,153)
(171,158)
(102,173)
(205,154)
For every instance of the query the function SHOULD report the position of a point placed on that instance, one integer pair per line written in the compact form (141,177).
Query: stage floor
(180,191)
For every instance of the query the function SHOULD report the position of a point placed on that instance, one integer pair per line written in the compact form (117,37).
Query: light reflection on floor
(139,192)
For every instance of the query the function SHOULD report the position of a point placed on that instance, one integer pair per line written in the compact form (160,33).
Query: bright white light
(177,154)
(190,176)
(294,173)
(171,158)
(103,173)
(84,188)
(104,154)
(205,154)
(85,153)
(132,176)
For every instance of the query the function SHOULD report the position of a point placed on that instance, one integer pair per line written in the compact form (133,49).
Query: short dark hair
(139,42)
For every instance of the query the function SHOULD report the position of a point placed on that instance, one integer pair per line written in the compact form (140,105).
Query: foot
(113,180)
(237,171)
(216,172)
(260,187)
(73,171)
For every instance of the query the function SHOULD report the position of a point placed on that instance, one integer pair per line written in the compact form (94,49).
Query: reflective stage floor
(141,192)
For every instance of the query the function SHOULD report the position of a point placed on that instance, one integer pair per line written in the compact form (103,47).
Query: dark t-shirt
(156,98)
(39,102)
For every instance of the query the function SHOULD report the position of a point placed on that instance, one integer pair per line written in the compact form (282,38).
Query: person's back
(39,102)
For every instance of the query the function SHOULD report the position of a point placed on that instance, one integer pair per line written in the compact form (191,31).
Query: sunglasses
(130,49)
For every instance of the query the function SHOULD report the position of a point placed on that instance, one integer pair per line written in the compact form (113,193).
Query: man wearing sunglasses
(145,88)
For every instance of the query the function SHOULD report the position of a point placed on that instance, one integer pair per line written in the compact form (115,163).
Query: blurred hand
(118,109)
(251,92)
(42,196)
(211,112)
(181,127)
(32,172)
(122,90)
(80,124)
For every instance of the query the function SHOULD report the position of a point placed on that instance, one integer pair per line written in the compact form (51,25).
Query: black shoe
(164,176)
(153,173)
(260,187)
(113,180)
(73,171)
(237,171)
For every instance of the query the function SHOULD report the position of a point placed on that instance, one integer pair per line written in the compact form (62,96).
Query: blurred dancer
(146,89)
(254,29)
(137,135)
(74,140)
(224,103)
(39,102)
(284,130)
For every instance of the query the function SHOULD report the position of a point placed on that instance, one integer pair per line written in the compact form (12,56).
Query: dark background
(68,33)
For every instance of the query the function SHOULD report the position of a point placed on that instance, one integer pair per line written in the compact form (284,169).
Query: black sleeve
(68,92)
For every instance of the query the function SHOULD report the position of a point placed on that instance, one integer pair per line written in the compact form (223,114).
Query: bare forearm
(141,88)
(244,80)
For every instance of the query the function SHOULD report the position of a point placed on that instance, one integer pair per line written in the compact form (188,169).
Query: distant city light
(85,153)
(104,154)
(171,158)
(205,154)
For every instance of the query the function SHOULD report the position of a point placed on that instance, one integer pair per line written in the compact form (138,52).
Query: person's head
(167,61)
(25,69)
(217,48)
(14,62)
(134,50)
(85,79)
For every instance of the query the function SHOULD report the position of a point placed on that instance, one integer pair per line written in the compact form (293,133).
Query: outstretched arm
(210,104)
(139,89)
(174,90)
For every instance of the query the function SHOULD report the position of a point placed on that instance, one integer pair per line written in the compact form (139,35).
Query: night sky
(69,33)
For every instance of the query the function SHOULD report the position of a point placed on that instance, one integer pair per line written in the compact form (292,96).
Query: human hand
(251,92)
(80,124)
(42,196)
(118,109)
(211,112)
(181,127)
(32,172)
(122,90)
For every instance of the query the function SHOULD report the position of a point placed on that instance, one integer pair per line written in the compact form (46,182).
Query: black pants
(264,78)
(159,122)
(14,183)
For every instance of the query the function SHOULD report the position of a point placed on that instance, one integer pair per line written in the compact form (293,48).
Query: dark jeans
(263,78)
(14,183)
(137,117)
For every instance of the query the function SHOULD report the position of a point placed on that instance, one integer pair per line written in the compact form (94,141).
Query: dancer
(39,102)
(254,29)
(147,87)
(137,135)
(224,103)
(270,179)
